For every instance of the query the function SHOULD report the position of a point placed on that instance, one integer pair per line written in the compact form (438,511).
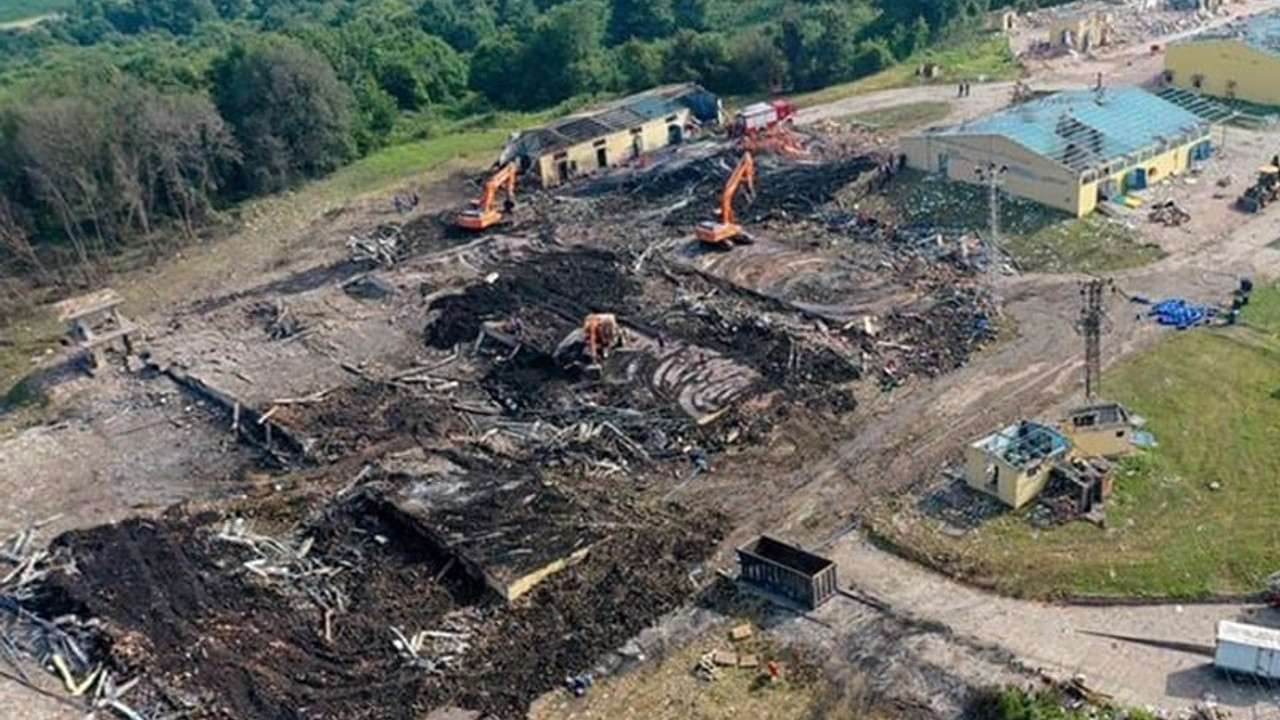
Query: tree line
(129,115)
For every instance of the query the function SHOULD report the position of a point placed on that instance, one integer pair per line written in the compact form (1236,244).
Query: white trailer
(1248,650)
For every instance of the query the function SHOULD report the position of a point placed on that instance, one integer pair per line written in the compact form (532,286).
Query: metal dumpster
(788,571)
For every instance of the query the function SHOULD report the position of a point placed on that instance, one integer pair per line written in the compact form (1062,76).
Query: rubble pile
(480,506)
(417,632)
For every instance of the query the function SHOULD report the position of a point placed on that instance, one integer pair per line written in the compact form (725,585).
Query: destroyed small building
(1076,487)
(1082,33)
(1240,60)
(612,134)
(1070,150)
(1101,430)
(1014,464)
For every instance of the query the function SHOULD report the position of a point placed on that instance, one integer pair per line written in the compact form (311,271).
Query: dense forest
(122,117)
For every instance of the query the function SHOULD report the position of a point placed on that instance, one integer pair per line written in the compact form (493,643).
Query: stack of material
(1168,213)
(1181,313)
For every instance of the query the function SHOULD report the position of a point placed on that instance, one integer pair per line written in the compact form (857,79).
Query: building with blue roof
(1070,150)
(1239,60)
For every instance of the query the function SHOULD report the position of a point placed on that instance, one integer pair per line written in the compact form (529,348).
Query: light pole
(992,174)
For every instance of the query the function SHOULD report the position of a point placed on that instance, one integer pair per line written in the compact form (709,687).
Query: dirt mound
(352,419)
(565,285)
(179,606)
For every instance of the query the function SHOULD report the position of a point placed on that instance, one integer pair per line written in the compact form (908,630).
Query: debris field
(461,507)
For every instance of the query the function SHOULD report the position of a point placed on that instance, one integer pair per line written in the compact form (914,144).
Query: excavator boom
(486,213)
(719,233)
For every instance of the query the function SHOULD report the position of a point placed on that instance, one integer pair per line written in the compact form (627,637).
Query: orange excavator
(600,332)
(721,233)
(483,213)
(593,342)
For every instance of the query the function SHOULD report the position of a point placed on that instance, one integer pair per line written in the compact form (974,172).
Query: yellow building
(1015,463)
(587,142)
(1101,430)
(1239,61)
(1083,33)
(1070,150)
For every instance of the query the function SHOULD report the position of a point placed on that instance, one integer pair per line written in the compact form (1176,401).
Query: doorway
(602,157)
(675,134)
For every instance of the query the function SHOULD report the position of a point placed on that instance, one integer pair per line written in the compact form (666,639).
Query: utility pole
(1093,316)
(992,174)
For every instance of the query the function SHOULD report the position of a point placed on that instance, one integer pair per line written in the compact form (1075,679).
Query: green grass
(1091,244)
(908,116)
(16,10)
(1038,238)
(982,57)
(1020,704)
(1207,395)
(1263,310)
(404,162)
(26,342)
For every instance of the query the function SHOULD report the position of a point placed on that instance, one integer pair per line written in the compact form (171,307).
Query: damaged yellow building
(1070,150)
(1238,61)
(594,140)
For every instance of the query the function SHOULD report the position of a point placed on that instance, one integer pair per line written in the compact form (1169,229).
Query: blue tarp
(1181,313)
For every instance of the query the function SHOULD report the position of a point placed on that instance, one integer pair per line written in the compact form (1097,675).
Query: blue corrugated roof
(1085,128)
(652,107)
(1261,31)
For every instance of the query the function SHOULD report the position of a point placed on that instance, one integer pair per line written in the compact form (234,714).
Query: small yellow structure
(1070,150)
(1101,430)
(1014,464)
(1240,60)
(1082,33)
(613,134)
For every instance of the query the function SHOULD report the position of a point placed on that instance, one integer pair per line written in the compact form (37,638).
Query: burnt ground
(430,388)
(217,642)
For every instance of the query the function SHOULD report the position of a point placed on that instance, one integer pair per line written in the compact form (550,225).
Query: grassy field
(1038,238)
(1210,396)
(17,10)
(900,118)
(983,57)
(666,689)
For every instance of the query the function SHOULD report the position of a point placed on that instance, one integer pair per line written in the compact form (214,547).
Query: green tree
(497,70)
(463,28)
(691,14)
(639,64)
(641,19)
(565,56)
(871,57)
(419,70)
(291,114)
(701,57)
(754,64)
(831,54)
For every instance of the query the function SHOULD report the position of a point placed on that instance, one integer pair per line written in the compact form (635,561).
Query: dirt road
(1062,640)
(908,434)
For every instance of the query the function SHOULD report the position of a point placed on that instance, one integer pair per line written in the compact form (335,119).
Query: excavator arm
(727,229)
(744,172)
(484,212)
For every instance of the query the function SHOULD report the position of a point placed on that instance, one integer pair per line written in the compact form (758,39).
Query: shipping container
(1248,650)
(788,571)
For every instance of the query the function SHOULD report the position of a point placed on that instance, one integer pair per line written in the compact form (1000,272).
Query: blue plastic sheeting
(1143,439)
(1181,313)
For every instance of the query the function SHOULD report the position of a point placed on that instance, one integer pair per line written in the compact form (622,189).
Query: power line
(1093,317)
